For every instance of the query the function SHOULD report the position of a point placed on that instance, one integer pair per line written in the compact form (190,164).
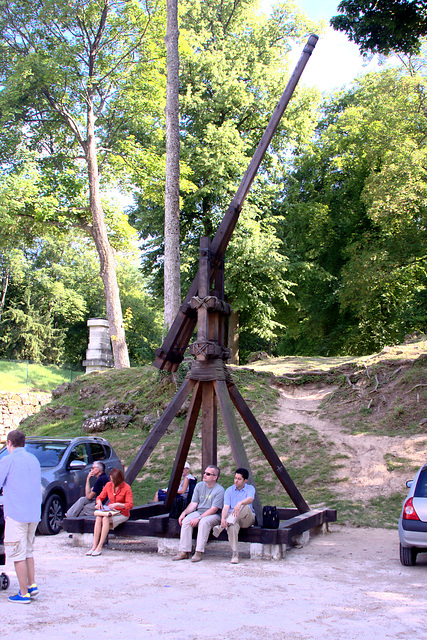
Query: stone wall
(14,407)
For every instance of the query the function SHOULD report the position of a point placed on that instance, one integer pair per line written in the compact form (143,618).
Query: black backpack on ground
(270,518)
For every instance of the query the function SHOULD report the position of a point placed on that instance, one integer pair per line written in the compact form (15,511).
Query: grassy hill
(20,376)
(385,394)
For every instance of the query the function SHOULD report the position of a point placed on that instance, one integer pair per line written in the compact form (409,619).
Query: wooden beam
(158,430)
(236,442)
(203,286)
(267,449)
(184,445)
(209,426)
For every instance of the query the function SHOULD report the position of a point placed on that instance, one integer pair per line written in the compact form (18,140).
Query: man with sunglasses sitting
(203,512)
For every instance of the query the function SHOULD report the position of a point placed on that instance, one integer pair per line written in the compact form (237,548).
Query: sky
(335,61)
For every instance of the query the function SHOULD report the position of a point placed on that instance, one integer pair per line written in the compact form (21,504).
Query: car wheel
(52,516)
(408,556)
(4,581)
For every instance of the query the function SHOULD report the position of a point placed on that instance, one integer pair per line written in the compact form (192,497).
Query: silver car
(413,519)
(65,463)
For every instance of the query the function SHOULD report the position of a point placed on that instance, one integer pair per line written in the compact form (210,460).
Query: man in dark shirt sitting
(85,506)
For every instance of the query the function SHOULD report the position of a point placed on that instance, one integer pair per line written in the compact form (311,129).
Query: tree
(172,282)
(25,333)
(19,201)
(383,26)
(44,301)
(256,279)
(354,220)
(143,316)
(65,67)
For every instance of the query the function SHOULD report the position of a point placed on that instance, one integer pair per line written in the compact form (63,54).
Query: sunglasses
(208,474)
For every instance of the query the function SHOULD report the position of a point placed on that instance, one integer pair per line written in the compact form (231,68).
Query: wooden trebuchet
(209,380)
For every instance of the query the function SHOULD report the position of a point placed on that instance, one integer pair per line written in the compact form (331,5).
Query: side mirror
(409,483)
(77,465)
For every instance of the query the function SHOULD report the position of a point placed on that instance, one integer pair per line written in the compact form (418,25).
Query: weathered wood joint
(209,350)
(211,303)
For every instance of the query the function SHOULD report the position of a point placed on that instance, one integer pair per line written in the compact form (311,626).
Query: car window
(49,454)
(421,488)
(79,452)
(97,451)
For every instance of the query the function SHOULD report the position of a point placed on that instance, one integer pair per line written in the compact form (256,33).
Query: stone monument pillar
(99,355)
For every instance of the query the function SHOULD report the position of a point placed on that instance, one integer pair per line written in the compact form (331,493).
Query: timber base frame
(148,520)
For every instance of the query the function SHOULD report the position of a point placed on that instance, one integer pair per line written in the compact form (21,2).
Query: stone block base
(260,551)
(82,539)
(167,546)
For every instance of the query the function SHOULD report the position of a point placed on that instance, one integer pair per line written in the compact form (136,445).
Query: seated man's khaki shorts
(19,539)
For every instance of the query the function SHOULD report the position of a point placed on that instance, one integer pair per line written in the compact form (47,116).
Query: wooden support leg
(236,442)
(209,425)
(184,445)
(267,449)
(158,430)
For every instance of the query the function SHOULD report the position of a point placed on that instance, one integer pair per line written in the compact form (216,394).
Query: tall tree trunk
(233,337)
(105,251)
(4,285)
(172,283)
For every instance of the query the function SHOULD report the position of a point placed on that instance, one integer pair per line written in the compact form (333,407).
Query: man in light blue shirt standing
(20,477)
(237,512)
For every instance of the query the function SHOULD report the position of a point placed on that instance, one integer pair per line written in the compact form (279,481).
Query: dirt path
(346,585)
(364,464)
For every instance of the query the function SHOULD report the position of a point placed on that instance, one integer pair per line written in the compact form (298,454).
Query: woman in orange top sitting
(120,498)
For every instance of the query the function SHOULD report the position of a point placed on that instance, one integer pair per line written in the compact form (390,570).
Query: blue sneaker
(20,599)
(33,590)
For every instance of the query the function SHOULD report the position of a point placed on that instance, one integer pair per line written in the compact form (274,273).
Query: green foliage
(142,315)
(256,281)
(25,332)
(53,75)
(383,26)
(55,283)
(70,74)
(354,221)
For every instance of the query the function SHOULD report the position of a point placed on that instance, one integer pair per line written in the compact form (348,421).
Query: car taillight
(409,512)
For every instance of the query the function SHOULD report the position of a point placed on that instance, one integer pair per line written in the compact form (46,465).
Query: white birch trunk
(172,282)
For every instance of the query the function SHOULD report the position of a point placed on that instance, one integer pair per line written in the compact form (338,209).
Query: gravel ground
(344,585)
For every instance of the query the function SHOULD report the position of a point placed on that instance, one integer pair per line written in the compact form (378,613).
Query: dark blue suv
(65,463)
